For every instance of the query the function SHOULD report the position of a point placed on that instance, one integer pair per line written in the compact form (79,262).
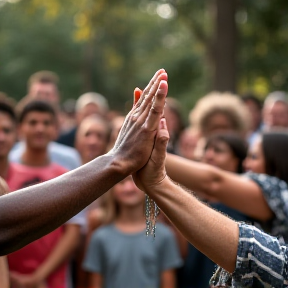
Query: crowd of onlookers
(105,245)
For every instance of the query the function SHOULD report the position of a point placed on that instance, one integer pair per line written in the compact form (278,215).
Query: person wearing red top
(44,261)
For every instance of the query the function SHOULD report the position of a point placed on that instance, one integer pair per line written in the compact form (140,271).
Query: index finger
(149,86)
(157,109)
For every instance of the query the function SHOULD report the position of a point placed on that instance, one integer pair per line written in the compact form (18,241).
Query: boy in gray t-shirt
(127,260)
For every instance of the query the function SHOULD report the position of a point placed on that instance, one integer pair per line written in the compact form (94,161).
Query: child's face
(38,129)
(126,193)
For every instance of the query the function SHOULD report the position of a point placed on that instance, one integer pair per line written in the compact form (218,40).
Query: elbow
(264,215)
(211,184)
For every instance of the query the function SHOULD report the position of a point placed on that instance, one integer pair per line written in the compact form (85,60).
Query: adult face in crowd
(7,132)
(275,111)
(254,106)
(90,103)
(226,151)
(187,143)
(43,85)
(92,138)
(38,128)
(220,112)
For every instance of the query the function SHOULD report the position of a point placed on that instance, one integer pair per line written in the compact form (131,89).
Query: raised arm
(30,213)
(251,254)
(209,231)
(229,188)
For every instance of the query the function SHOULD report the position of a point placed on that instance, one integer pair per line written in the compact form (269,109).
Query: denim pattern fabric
(275,192)
(261,262)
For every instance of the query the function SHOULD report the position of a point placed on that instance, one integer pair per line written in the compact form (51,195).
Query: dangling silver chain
(151,212)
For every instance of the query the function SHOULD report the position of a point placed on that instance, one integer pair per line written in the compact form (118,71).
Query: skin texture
(228,188)
(31,213)
(4,275)
(212,233)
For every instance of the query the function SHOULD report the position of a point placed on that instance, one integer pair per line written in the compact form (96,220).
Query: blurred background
(112,46)
(54,53)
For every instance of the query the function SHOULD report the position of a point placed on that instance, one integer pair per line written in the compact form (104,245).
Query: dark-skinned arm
(30,213)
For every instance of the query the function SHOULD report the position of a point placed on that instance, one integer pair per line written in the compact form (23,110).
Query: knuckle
(156,110)
(133,118)
(145,129)
(163,140)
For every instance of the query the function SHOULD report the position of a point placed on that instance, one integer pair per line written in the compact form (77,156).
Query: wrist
(119,166)
(162,185)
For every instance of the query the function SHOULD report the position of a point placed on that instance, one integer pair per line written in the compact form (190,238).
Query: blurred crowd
(105,245)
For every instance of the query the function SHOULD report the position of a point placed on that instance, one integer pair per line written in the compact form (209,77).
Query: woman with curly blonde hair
(218,112)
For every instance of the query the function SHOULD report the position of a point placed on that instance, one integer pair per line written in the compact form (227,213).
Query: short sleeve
(275,192)
(261,262)
(94,259)
(170,256)
(78,219)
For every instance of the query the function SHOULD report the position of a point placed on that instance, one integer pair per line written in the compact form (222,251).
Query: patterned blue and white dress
(262,260)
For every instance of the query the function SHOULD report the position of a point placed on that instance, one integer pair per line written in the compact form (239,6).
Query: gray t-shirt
(131,260)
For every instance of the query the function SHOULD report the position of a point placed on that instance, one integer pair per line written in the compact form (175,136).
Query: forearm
(95,280)
(4,274)
(61,253)
(228,188)
(44,207)
(209,231)
(195,176)
(168,279)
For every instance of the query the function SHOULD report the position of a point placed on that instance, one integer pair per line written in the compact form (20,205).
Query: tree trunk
(225,46)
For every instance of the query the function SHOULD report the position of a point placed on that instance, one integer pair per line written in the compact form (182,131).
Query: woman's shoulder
(266,181)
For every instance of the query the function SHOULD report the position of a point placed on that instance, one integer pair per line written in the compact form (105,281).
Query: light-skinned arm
(4,274)
(168,279)
(30,213)
(95,280)
(209,231)
(228,188)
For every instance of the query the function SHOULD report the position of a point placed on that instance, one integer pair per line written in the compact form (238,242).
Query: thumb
(137,95)
(162,138)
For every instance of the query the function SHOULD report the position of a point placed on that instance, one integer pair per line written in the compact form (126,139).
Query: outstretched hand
(136,138)
(154,173)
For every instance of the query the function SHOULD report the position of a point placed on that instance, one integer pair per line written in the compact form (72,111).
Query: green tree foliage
(263,50)
(111,46)
(105,46)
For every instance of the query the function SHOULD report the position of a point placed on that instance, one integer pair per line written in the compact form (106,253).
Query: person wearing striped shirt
(247,257)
